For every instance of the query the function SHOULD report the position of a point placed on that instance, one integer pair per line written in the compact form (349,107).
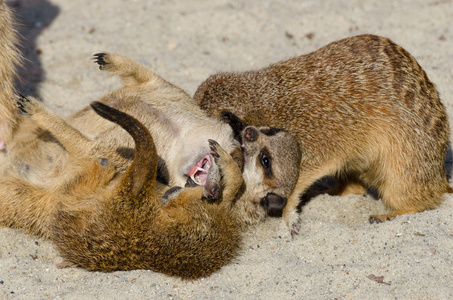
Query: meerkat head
(271,163)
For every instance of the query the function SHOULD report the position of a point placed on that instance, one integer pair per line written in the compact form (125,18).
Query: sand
(338,253)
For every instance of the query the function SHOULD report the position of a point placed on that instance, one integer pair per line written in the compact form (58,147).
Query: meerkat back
(360,106)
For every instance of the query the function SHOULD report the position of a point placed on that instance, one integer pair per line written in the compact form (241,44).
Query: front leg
(231,174)
(308,176)
(75,143)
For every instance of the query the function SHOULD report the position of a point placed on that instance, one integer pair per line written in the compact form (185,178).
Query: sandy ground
(338,254)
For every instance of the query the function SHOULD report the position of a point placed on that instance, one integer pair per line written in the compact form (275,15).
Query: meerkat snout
(273,204)
(251,134)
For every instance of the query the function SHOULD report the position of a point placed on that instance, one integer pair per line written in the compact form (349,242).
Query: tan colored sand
(339,254)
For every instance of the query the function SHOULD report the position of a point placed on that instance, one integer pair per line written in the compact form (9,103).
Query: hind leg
(25,206)
(132,72)
(410,193)
(347,186)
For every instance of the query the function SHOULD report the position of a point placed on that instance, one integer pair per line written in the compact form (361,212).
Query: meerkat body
(104,221)
(360,107)
(10,59)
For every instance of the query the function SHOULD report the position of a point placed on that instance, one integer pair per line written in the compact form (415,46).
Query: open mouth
(199,173)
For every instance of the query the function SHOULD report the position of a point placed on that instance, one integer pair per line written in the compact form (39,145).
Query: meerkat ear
(236,124)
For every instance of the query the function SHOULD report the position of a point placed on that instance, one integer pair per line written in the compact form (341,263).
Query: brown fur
(105,221)
(360,107)
(10,59)
(84,194)
(74,180)
(180,128)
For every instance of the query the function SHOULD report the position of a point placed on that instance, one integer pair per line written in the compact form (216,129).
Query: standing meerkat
(361,108)
(10,59)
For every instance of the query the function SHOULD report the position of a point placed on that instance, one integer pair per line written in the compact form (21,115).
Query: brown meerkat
(361,108)
(104,221)
(171,115)
(10,59)
(179,128)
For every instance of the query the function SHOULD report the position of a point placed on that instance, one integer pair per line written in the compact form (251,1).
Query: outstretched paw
(220,156)
(101,60)
(26,105)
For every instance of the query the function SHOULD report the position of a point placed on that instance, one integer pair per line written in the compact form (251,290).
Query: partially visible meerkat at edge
(10,59)
(362,110)
(104,221)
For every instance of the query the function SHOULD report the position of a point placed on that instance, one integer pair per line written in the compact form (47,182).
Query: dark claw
(99,59)
(373,220)
(20,100)
(295,230)
(213,145)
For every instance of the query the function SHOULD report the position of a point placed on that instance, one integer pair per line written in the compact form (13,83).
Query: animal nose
(214,193)
(251,134)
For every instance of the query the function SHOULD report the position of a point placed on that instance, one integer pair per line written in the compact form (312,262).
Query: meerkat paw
(229,170)
(220,155)
(27,105)
(102,59)
(386,217)
(65,264)
(228,167)
(293,223)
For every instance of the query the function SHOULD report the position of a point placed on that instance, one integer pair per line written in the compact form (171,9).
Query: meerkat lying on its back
(360,107)
(179,128)
(104,221)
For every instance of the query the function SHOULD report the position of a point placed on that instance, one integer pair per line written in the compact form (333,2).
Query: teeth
(195,179)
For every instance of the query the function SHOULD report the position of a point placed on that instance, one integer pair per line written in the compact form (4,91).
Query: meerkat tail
(141,175)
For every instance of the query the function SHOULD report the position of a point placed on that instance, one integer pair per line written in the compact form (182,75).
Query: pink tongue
(199,164)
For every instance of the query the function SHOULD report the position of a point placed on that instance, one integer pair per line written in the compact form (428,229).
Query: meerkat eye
(265,160)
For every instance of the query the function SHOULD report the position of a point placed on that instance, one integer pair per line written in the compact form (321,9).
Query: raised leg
(130,71)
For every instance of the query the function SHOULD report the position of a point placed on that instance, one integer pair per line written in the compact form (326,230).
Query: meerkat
(360,108)
(271,167)
(104,221)
(10,59)
(177,124)
(179,127)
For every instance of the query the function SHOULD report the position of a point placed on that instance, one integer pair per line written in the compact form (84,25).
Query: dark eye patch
(271,131)
(266,162)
